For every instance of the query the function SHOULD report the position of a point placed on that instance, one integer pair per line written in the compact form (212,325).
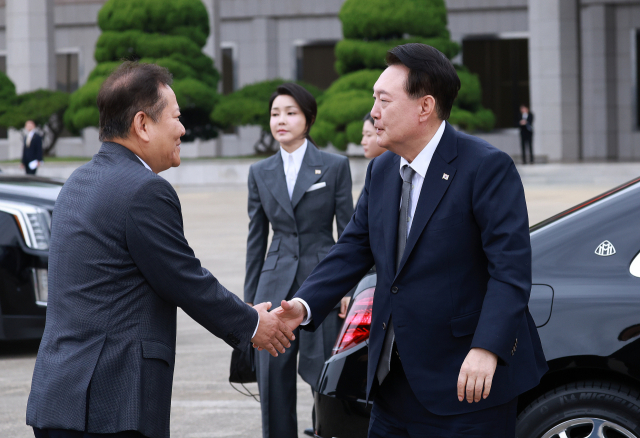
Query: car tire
(587,409)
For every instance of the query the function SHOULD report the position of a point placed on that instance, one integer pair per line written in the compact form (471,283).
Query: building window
(315,64)
(228,71)
(67,72)
(503,68)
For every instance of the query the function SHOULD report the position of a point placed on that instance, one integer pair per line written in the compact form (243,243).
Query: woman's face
(288,124)
(370,141)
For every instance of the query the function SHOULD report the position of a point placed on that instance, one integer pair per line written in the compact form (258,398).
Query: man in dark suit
(119,266)
(444,219)
(31,149)
(526,133)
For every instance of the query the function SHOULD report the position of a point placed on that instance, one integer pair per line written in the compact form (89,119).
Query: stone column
(599,117)
(31,59)
(555,78)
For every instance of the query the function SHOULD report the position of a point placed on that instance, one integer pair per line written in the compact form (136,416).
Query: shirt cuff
(307,320)
(256,330)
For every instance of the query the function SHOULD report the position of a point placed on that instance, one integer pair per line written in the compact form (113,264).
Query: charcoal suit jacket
(302,235)
(119,266)
(464,279)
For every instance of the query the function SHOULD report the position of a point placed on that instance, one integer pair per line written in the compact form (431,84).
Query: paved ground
(204,405)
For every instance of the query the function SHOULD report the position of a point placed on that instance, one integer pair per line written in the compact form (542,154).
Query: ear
(427,107)
(140,126)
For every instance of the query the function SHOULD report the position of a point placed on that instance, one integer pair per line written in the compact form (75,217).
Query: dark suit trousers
(61,433)
(277,384)
(30,171)
(397,413)
(526,141)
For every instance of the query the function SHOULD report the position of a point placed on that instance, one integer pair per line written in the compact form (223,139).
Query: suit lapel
(433,188)
(273,175)
(308,174)
(392,186)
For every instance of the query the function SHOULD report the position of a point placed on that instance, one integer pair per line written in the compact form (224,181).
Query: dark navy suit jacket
(119,266)
(464,280)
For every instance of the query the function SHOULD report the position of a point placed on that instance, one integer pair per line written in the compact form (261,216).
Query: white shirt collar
(297,156)
(421,163)
(145,164)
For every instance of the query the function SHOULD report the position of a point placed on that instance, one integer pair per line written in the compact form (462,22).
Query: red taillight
(357,324)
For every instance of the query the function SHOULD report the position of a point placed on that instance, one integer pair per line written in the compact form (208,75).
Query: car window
(635,266)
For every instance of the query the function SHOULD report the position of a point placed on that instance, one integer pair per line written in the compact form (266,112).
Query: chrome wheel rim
(588,428)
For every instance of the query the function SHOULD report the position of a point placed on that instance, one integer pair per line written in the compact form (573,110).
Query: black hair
(303,98)
(430,73)
(131,88)
(367,117)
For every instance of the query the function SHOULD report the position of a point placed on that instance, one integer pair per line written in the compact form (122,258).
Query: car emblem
(605,249)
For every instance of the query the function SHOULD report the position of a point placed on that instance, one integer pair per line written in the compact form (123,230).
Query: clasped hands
(476,372)
(275,330)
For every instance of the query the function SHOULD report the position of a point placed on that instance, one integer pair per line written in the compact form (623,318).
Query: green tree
(371,28)
(170,33)
(44,107)
(250,106)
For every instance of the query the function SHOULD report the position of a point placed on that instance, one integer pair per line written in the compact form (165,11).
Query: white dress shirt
(420,164)
(292,162)
(256,329)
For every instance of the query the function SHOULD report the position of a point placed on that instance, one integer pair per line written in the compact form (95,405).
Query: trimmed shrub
(170,33)
(388,19)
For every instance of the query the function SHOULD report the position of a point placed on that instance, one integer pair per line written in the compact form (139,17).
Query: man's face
(29,126)
(395,113)
(164,136)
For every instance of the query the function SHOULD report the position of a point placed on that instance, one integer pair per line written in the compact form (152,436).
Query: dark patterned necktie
(403,222)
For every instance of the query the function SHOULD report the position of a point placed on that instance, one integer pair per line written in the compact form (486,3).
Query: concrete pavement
(215,219)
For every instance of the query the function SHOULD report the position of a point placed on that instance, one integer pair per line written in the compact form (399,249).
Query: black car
(26,205)
(585,301)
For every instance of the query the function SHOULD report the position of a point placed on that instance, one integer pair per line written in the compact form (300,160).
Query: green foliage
(44,107)
(7,89)
(250,104)
(170,33)
(37,105)
(352,55)
(342,108)
(371,28)
(175,17)
(388,19)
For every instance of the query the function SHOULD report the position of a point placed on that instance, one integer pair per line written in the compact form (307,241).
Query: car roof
(30,188)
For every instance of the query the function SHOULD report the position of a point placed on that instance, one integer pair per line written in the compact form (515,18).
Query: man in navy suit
(444,219)
(119,267)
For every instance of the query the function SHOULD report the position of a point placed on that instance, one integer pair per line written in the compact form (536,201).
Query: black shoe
(309,432)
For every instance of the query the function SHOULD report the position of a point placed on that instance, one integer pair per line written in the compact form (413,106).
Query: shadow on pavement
(15,349)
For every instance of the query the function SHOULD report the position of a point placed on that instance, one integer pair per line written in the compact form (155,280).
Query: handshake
(275,329)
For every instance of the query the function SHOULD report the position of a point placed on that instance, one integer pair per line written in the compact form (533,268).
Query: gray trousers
(277,375)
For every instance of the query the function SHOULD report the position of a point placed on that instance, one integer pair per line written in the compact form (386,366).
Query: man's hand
(476,372)
(272,335)
(344,305)
(292,313)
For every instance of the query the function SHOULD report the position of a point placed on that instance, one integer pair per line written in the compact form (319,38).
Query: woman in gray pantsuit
(298,191)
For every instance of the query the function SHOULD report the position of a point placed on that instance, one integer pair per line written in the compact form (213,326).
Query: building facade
(574,62)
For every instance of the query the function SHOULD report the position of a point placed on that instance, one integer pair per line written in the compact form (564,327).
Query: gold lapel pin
(318,171)
(445,177)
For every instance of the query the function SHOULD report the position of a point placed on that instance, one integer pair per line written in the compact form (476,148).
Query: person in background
(31,149)
(370,139)
(526,133)
(298,192)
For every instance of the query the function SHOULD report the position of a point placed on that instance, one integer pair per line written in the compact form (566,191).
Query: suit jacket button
(295,257)
(384,326)
(295,234)
(394,289)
